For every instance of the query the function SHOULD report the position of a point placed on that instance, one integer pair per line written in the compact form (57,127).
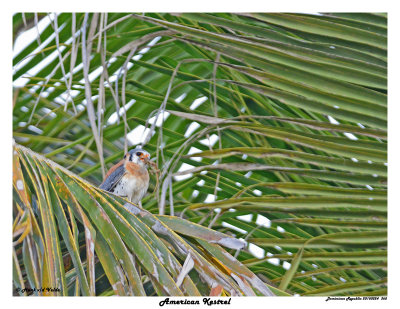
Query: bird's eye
(138,154)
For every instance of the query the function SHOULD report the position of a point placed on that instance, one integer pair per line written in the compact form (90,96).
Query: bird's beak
(144,158)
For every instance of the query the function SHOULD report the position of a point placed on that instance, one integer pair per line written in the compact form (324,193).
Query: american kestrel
(129,178)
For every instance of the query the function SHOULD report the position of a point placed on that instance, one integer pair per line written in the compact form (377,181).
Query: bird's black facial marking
(138,153)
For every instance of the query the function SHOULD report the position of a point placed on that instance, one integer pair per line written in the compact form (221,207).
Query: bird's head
(138,156)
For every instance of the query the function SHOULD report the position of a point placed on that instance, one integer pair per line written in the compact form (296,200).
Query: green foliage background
(286,146)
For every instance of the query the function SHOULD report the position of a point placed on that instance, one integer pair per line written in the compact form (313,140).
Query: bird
(129,178)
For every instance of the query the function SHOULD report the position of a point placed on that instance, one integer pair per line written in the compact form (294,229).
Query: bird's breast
(125,186)
(134,183)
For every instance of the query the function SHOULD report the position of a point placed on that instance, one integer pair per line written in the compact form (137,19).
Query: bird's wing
(113,168)
(110,181)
